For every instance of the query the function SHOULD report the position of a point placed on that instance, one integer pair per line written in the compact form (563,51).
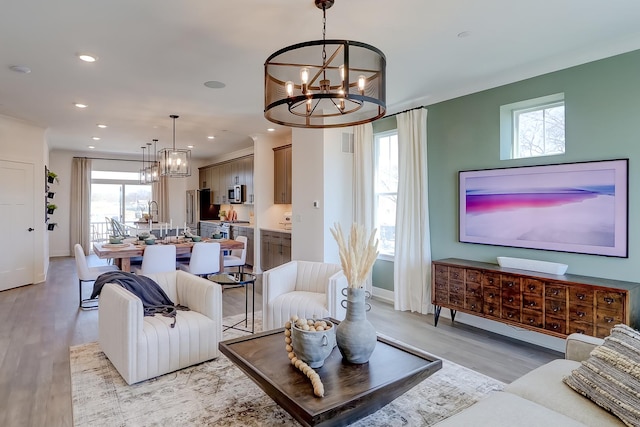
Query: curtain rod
(105,158)
(405,111)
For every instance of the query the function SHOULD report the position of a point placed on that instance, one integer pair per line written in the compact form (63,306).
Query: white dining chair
(87,274)
(237,257)
(205,259)
(158,259)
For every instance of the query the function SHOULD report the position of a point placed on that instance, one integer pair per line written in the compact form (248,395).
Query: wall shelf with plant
(51,178)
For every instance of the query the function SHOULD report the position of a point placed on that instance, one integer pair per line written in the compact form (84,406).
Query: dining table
(122,253)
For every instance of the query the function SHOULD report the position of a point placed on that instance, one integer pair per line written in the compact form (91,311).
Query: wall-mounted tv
(569,207)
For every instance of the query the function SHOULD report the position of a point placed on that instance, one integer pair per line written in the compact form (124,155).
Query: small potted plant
(52,176)
(51,207)
(223,215)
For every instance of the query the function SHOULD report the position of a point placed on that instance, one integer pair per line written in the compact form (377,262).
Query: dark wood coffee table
(351,391)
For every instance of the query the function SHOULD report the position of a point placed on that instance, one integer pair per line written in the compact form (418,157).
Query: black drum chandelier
(325,83)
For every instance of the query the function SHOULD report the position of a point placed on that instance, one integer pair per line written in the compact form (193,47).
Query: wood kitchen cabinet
(219,178)
(282,175)
(275,249)
(546,303)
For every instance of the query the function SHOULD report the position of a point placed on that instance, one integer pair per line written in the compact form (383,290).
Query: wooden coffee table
(351,391)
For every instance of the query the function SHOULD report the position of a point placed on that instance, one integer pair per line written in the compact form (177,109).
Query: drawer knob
(532,320)
(491,281)
(532,287)
(491,311)
(555,292)
(581,313)
(510,299)
(510,284)
(509,314)
(608,319)
(555,309)
(555,326)
(491,295)
(473,306)
(581,296)
(608,300)
(532,304)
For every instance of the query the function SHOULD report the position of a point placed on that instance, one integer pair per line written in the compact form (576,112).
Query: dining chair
(205,259)
(158,259)
(237,257)
(87,274)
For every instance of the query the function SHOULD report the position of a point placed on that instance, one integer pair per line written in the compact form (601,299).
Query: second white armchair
(304,288)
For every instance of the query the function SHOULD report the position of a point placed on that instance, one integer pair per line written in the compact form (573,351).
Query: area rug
(216,393)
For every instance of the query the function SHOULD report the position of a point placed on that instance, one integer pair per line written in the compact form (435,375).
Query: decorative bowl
(196,238)
(217,236)
(313,347)
(114,240)
(150,241)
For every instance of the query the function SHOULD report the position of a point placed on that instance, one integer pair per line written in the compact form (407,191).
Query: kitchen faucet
(153,217)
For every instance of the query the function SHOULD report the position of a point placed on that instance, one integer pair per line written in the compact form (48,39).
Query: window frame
(509,124)
(376,195)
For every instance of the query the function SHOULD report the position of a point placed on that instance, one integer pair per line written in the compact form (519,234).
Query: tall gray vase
(355,335)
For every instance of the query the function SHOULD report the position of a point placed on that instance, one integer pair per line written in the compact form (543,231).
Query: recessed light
(87,58)
(91,147)
(101,126)
(464,34)
(20,69)
(213,84)
(77,104)
(189,146)
(96,138)
(271,130)
(211,137)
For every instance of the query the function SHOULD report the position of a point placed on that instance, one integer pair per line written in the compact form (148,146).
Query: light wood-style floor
(39,322)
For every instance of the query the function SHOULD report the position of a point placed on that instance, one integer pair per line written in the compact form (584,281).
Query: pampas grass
(357,254)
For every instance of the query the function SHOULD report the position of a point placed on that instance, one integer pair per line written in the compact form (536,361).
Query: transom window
(533,128)
(386,190)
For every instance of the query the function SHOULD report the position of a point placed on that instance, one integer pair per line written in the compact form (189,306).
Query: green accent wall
(602,115)
(382,274)
(602,121)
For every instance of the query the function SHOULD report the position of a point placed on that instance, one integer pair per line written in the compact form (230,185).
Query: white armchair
(145,347)
(304,288)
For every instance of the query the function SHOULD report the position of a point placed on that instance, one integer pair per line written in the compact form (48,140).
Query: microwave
(237,194)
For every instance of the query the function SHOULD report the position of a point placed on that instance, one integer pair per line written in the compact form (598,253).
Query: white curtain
(363,161)
(80,227)
(160,193)
(412,266)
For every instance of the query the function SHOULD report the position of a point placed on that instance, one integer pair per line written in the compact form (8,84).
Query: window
(386,190)
(117,195)
(532,128)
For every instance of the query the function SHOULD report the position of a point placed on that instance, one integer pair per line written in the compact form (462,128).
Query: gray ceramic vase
(355,335)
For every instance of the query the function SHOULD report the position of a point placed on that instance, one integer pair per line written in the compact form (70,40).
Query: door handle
(30,229)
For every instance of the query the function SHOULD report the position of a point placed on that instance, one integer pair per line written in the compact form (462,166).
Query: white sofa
(144,347)
(540,398)
(304,288)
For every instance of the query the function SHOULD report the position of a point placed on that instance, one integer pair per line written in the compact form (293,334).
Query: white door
(16,220)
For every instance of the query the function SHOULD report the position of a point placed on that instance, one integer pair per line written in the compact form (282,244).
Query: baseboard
(383,295)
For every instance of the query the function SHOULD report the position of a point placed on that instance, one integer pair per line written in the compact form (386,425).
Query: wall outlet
(316,204)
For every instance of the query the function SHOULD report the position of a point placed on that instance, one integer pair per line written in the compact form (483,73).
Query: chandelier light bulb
(289,88)
(304,75)
(362,81)
(341,72)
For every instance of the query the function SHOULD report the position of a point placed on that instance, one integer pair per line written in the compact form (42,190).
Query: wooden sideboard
(546,303)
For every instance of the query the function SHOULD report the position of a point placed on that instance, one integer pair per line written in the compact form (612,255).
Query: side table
(240,279)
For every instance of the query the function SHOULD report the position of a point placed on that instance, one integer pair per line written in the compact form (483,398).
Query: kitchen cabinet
(248,233)
(219,178)
(545,303)
(275,248)
(282,175)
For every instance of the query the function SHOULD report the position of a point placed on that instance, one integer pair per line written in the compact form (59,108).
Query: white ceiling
(155,55)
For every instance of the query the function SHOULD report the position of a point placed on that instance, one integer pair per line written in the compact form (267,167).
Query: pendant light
(143,170)
(175,163)
(325,83)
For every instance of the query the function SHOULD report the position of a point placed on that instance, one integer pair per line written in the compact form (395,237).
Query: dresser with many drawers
(546,303)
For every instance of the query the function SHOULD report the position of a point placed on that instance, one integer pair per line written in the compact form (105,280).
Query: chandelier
(325,83)
(175,163)
(153,167)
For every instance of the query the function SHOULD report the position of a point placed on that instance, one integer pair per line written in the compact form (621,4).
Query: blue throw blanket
(154,299)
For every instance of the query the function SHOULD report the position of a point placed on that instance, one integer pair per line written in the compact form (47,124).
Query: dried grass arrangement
(357,254)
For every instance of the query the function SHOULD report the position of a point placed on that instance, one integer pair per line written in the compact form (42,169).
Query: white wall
(322,173)
(23,142)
